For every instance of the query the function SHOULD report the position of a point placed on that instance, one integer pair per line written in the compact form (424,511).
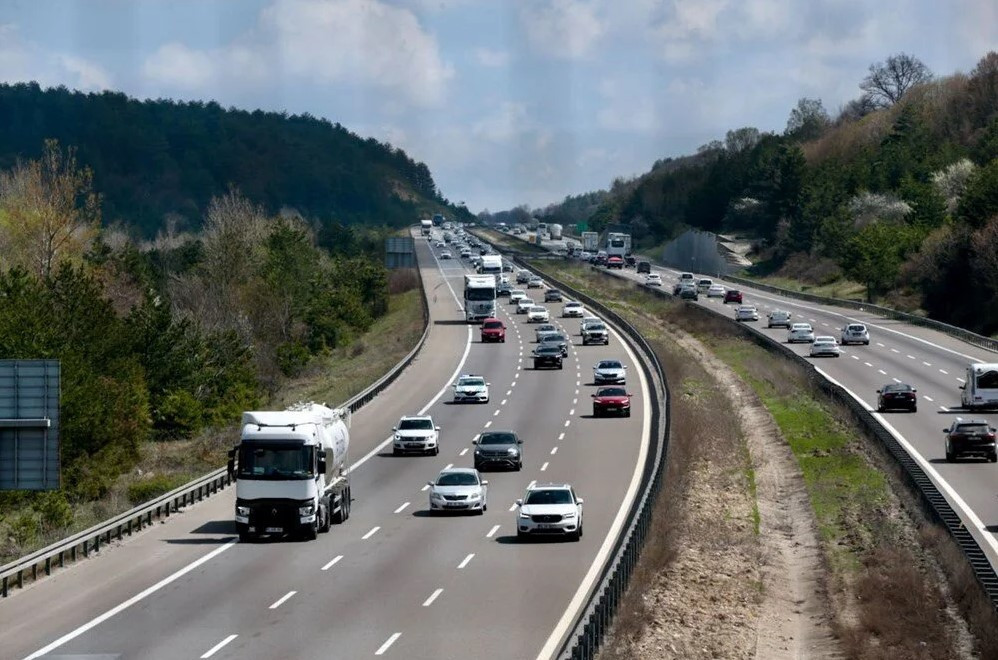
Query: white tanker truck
(290,468)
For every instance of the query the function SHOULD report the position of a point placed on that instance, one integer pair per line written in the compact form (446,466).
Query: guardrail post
(48,566)
(3,589)
(20,580)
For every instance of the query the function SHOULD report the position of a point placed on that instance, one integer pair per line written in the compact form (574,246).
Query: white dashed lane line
(868,364)
(503,402)
(403,506)
(425,488)
(371,533)
(388,644)
(283,599)
(854,357)
(554,450)
(488,423)
(433,597)
(512,507)
(894,350)
(882,372)
(495,528)
(926,363)
(896,380)
(943,371)
(928,398)
(561,436)
(544,467)
(880,345)
(567,422)
(910,357)
(217,647)
(332,562)
(466,560)
(449,466)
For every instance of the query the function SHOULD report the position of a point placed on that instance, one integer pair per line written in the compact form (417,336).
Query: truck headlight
(242,510)
(306,510)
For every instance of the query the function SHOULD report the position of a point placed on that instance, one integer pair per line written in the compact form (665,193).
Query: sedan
(516,295)
(825,347)
(544,329)
(572,309)
(556,339)
(547,355)
(524,304)
(778,319)
(445,254)
(855,333)
(746,313)
(970,437)
(716,291)
(800,332)
(615,262)
(609,371)
(538,314)
(535,282)
(611,400)
(552,295)
(893,396)
(471,388)
(459,489)
(732,296)
(653,279)
(688,292)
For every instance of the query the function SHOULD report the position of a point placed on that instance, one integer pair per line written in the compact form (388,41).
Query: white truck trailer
(290,468)
(479,297)
(590,241)
(425,227)
(491,265)
(555,231)
(618,245)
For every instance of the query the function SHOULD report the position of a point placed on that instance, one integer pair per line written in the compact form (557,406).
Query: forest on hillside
(158,159)
(898,192)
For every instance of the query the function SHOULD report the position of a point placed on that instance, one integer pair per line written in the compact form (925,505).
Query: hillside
(153,159)
(899,193)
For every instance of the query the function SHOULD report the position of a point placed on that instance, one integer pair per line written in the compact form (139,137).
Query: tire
(519,466)
(246,537)
(576,536)
(326,517)
(521,536)
(311,532)
(436,450)
(627,413)
(595,413)
(950,456)
(580,531)
(396,451)
(914,409)
(993,458)
(880,409)
(480,512)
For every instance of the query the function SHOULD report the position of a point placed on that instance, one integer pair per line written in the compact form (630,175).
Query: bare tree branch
(888,81)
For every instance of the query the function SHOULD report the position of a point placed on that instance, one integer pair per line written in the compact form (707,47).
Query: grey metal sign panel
(400,252)
(29,424)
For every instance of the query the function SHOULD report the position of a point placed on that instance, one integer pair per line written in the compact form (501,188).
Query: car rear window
(972,428)
(897,388)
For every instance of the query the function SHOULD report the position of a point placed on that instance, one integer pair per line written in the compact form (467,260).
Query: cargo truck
(290,468)
(555,231)
(491,265)
(479,297)
(590,241)
(618,245)
(426,227)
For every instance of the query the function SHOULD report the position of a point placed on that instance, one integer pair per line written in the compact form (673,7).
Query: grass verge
(510,242)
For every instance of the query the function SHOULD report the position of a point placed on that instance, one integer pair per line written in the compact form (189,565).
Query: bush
(179,414)
(154,486)
(292,358)
(55,510)
(24,528)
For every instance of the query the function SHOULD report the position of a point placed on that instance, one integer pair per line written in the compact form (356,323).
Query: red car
(733,296)
(493,330)
(615,262)
(611,400)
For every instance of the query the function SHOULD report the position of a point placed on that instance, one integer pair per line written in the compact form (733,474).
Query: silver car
(609,371)
(825,347)
(544,329)
(572,309)
(778,318)
(855,333)
(800,332)
(459,489)
(746,313)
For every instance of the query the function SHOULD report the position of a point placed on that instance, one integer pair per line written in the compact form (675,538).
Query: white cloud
(89,75)
(363,42)
(492,58)
(563,28)
(509,121)
(25,61)
(627,108)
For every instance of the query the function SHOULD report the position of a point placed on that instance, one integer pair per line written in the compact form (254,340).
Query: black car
(897,396)
(644,267)
(552,295)
(629,262)
(970,437)
(547,356)
(559,340)
(689,293)
(498,449)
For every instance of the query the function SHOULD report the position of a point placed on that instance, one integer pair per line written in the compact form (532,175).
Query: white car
(746,313)
(459,489)
(516,295)
(471,388)
(416,434)
(609,371)
(524,304)
(716,291)
(704,284)
(800,332)
(572,309)
(535,282)
(549,509)
(538,314)
(686,278)
(440,244)
(778,318)
(653,279)
(855,333)
(825,346)
(445,254)
(586,322)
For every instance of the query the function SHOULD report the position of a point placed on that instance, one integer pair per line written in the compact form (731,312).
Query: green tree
(980,199)
(873,257)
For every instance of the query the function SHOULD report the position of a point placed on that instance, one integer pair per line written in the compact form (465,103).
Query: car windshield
(573,305)
(471,382)
(608,364)
(547,327)
(492,325)
(275,462)
(987,380)
(537,308)
(612,391)
(596,326)
(559,496)
(972,428)
(416,425)
(497,439)
(801,326)
(457,479)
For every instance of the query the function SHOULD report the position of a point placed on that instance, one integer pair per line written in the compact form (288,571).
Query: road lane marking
(509,392)
(571,412)
(512,507)
(561,436)
(880,345)
(868,364)
(487,425)
(910,357)
(388,643)
(503,402)
(449,466)
(405,504)
(894,350)
(373,531)
(283,599)
(854,357)
(896,380)
(492,532)
(578,383)
(332,562)
(926,363)
(576,391)
(544,467)
(495,414)
(882,371)
(217,647)
(961,380)
(928,398)
(567,422)
(944,408)
(943,371)
(433,597)
(466,560)
(463,452)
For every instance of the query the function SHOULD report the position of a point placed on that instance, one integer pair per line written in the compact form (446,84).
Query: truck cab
(981,387)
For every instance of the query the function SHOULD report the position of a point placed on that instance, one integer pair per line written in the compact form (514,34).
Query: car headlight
(398,437)
(306,510)
(524,516)
(568,515)
(242,510)
(436,496)
(475,496)
(512,451)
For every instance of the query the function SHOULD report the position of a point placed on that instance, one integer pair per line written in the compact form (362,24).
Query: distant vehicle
(416,434)
(611,401)
(609,371)
(426,227)
(746,313)
(552,295)
(615,262)
(555,231)
(644,267)
(687,277)
(471,388)
(538,314)
(715,291)
(440,244)
(572,310)
(448,237)
(542,329)
(556,339)
(524,304)
(855,333)
(893,396)
(704,284)
(535,282)
(438,219)
(516,295)
(549,509)
(825,347)
(970,437)
(459,489)
(498,449)
(445,254)
(289,469)
(491,265)
(800,332)
(654,279)
(493,329)
(688,292)
(629,261)
(732,296)
(547,356)
(503,287)
(523,277)
(595,333)
(618,244)
(981,387)
(590,241)
(778,319)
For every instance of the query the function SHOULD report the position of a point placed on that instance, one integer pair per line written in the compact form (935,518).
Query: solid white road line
(492,532)
(544,467)
(280,601)
(388,643)
(131,601)
(332,562)
(217,647)
(433,597)
(402,508)
(466,560)
(371,533)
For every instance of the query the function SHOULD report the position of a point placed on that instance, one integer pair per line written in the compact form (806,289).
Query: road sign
(29,424)
(400,252)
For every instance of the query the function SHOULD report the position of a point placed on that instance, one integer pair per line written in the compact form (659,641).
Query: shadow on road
(217,527)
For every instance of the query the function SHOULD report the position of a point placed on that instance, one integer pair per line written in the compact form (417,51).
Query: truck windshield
(277,462)
(987,380)
(485,293)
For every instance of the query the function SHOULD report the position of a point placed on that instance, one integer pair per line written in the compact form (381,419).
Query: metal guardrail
(91,540)
(592,625)
(933,500)
(887,312)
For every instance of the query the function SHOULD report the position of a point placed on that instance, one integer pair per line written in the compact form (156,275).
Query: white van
(981,388)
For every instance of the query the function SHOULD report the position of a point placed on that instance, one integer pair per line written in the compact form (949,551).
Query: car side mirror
(878,391)
(395,428)
(945,430)
(474,442)
(436,428)
(429,483)
(592,396)
(963,387)
(519,442)
(488,384)
(579,500)
(629,394)
(519,503)
(914,391)
(485,482)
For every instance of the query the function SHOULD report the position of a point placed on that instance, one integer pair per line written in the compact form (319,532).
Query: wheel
(576,535)
(436,450)
(580,531)
(519,466)
(480,512)
(914,409)
(866,343)
(246,537)
(993,457)
(396,451)
(627,413)
(595,413)
(880,409)
(950,456)
(559,365)
(326,517)
(485,507)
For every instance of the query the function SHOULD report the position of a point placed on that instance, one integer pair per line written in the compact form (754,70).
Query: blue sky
(508,102)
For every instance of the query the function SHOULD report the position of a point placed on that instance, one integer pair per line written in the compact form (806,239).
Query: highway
(931,361)
(392,581)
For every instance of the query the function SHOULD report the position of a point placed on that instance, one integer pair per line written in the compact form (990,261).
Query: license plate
(546,526)
(273,530)
(453,503)
(414,446)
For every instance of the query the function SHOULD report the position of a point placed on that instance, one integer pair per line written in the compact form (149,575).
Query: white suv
(549,509)
(855,333)
(416,434)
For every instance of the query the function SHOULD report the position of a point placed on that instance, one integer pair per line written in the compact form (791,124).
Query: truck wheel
(326,516)
(246,537)
(311,532)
